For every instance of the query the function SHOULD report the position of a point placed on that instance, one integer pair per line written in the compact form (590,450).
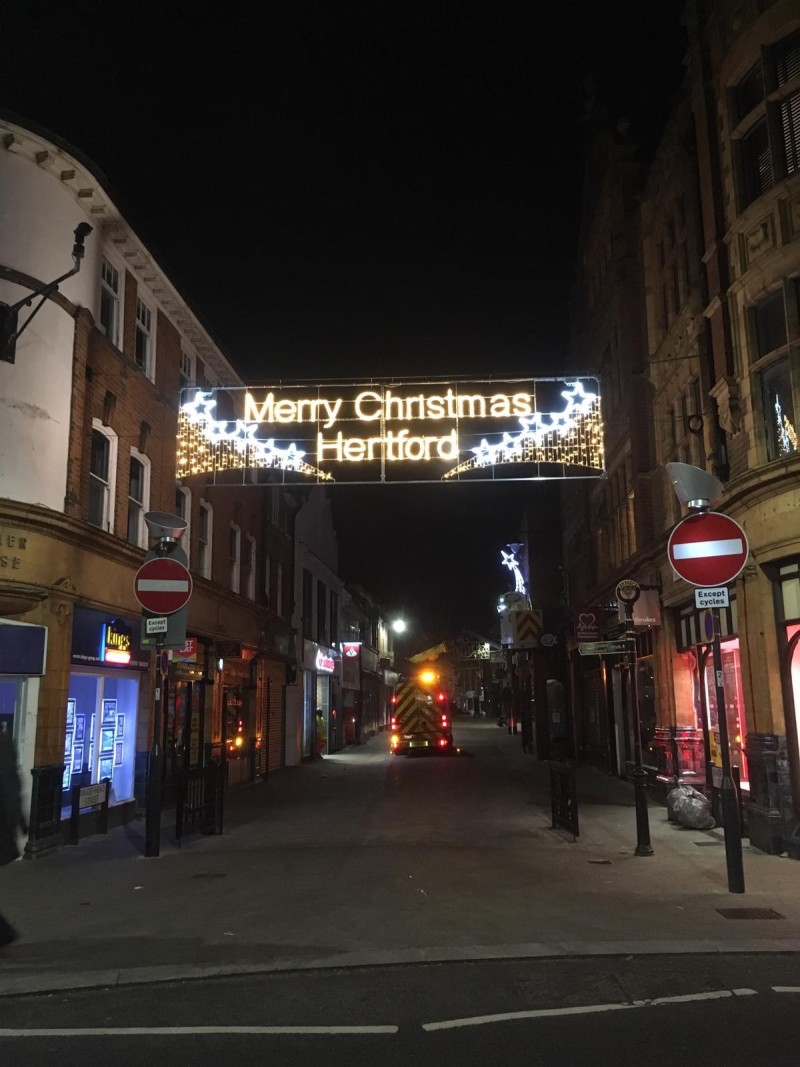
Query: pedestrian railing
(199,807)
(564,796)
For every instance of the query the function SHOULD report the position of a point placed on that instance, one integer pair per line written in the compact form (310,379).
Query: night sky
(359,188)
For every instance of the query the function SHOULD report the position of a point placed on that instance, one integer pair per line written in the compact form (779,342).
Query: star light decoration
(572,437)
(510,560)
(207,444)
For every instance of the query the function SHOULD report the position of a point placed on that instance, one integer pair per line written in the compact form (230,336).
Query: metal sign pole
(730,792)
(628,592)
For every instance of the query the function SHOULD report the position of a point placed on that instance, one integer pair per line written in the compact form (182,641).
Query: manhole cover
(211,874)
(749,913)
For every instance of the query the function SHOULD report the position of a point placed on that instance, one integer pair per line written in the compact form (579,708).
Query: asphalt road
(655,1010)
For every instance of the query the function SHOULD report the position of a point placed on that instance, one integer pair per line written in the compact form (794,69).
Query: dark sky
(350,188)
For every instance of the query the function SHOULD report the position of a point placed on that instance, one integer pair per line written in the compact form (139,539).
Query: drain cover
(602,862)
(749,913)
(709,844)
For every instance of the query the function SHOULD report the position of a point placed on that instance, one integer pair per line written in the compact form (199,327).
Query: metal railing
(200,801)
(564,796)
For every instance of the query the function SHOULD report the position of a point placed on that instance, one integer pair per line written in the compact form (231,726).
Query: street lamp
(399,626)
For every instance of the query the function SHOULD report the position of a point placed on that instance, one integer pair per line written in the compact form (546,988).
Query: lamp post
(628,593)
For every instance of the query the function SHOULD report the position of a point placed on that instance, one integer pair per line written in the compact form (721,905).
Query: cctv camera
(164,526)
(693,486)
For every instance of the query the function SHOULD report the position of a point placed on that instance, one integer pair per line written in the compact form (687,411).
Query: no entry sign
(708,549)
(162,586)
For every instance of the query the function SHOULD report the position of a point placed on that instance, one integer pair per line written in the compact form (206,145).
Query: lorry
(419,715)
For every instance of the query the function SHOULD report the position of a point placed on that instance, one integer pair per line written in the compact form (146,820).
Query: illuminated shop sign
(102,639)
(351,649)
(390,431)
(324,662)
(115,644)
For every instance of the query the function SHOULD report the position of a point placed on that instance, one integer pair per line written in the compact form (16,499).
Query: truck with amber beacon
(419,715)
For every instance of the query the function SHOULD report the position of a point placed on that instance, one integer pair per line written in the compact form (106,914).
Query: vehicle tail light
(394,723)
(394,740)
(442,742)
(444,720)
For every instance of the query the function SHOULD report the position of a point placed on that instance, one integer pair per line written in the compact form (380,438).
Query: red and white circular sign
(708,549)
(162,586)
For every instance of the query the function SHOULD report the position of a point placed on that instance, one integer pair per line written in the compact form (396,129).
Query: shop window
(183,509)
(100,739)
(204,538)
(102,476)
(138,497)
(734,708)
(109,301)
(789,578)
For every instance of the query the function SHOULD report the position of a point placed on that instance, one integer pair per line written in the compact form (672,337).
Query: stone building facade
(719,240)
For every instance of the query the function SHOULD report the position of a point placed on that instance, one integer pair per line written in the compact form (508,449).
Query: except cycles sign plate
(708,549)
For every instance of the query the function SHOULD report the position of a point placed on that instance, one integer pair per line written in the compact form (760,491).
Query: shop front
(107,688)
(322,729)
(185,717)
(697,713)
(23,657)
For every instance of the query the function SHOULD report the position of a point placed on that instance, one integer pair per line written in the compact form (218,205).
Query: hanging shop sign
(351,665)
(588,623)
(397,431)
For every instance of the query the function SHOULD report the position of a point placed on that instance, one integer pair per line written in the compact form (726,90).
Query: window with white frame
(109,301)
(138,498)
(187,370)
(102,476)
(251,567)
(279,589)
(183,509)
(234,558)
(205,533)
(143,345)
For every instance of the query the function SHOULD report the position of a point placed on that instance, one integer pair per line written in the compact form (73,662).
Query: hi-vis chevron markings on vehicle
(419,716)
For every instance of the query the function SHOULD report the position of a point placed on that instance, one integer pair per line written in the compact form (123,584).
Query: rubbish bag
(690,808)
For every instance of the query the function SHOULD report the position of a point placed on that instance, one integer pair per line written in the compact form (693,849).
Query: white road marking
(701,549)
(181,1031)
(540,1013)
(585,1009)
(786,989)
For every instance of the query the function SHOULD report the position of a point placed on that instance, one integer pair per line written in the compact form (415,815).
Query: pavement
(361,859)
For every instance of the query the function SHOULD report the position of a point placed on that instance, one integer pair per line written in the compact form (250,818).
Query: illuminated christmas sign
(393,431)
